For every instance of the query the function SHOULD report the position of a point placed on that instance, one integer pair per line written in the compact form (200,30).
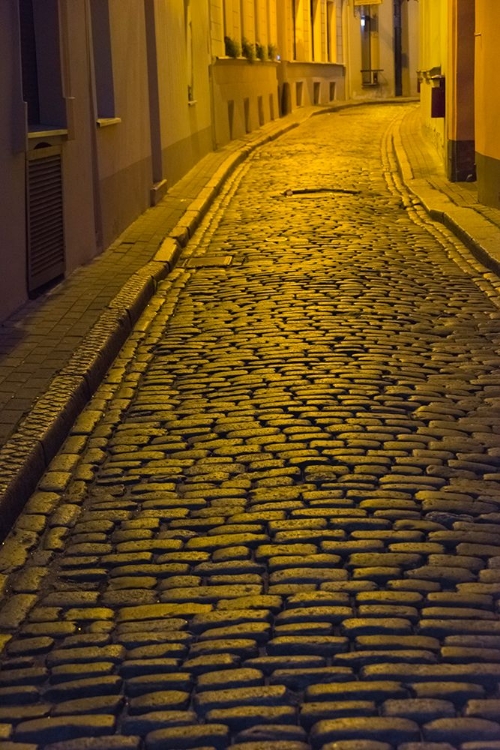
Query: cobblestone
(277,525)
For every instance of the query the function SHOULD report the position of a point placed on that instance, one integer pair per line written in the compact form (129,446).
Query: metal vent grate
(45,217)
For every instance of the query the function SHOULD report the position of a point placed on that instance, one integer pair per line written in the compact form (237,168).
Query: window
(103,64)
(366,50)
(340,40)
(41,63)
(331,32)
(294,27)
(369,66)
(315,53)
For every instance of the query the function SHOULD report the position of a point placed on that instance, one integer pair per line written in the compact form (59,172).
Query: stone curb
(27,453)
(479,235)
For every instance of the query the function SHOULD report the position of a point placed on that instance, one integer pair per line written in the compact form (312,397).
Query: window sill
(45,131)
(105,122)
(44,134)
(192,102)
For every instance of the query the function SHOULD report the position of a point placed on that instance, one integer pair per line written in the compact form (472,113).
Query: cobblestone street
(277,524)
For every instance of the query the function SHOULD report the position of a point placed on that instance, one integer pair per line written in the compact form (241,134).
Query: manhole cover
(314,191)
(203,261)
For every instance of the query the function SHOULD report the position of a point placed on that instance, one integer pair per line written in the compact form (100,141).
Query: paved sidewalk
(453,204)
(55,350)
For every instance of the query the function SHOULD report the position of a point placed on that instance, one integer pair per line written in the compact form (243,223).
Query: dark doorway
(398,49)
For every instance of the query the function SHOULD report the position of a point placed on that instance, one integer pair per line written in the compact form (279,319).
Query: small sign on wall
(438,102)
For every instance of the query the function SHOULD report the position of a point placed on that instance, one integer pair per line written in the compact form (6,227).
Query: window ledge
(45,131)
(105,122)
(46,135)
(192,102)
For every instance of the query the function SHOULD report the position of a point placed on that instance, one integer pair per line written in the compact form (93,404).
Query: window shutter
(46,252)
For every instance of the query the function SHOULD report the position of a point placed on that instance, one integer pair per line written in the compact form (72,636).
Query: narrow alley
(276,525)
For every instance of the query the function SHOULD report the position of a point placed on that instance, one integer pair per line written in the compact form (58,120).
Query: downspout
(93,115)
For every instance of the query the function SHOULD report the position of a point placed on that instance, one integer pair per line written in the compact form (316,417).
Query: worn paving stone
(420,710)
(46,730)
(395,730)
(162,700)
(461,729)
(244,716)
(272,733)
(312,712)
(189,736)
(97,743)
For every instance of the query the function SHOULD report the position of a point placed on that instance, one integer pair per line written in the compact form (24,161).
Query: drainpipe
(93,114)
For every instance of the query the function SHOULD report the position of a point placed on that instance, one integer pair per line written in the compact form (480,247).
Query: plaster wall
(248,20)
(245,96)
(217,26)
(303,26)
(285,30)
(487,66)
(232,19)
(78,173)
(261,22)
(183,71)
(487,101)
(311,83)
(433,58)
(124,149)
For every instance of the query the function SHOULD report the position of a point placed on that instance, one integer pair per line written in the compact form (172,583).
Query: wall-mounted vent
(46,257)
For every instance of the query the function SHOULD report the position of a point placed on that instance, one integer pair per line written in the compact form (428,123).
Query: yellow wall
(460,81)
(487,67)
(245,97)
(217,31)
(185,126)
(433,54)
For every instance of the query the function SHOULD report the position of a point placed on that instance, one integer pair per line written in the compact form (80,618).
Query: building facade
(110,102)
